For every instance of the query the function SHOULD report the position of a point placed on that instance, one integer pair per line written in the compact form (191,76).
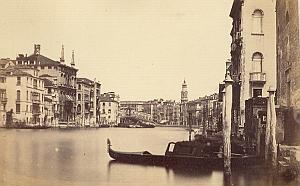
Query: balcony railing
(35,100)
(3,100)
(258,77)
(36,112)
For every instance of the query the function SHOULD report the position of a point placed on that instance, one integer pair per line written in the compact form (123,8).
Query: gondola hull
(180,160)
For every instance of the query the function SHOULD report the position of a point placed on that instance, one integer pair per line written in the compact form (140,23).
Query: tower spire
(62,55)
(184,92)
(73,60)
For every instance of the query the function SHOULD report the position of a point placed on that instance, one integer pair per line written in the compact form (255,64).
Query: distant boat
(183,153)
(104,126)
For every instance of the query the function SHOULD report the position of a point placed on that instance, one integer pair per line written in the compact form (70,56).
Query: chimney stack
(62,55)
(73,60)
(37,49)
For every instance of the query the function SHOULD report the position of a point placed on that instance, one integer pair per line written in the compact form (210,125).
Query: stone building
(63,78)
(205,111)
(288,69)
(253,53)
(22,92)
(88,102)
(109,104)
(183,104)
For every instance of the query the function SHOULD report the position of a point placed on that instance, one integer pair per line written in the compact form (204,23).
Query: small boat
(104,126)
(183,153)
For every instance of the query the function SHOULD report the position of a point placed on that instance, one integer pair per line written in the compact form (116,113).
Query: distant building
(88,102)
(63,78)
(205,111)
(183,104)
(22,92)
(109,104)
(6,62)
(253,53)
(288,70)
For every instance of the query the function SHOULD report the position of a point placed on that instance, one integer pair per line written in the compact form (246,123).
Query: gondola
(183,154)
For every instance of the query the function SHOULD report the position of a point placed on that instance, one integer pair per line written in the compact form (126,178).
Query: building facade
(109,104)
(253,53)
(88,102)
(22,94)
(288,69)
(62,76)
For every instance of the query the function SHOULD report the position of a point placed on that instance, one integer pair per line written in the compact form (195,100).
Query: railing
(257,77)
(3,99)
(36,112)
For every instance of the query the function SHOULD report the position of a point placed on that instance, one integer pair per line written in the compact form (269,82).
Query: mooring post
(273,147)
(227,126)
(223,109)
(268,128)
(190,126)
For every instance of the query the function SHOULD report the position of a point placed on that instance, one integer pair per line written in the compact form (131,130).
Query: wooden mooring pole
(273,145)
(227,127)
(268,128)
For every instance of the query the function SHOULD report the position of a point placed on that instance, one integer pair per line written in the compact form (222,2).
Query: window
(103,111)
(18,95)
(26,95)
(257,92)
(2,79)
(34,83)
(287,17)
(18,81)
(18,108)
(26,108)
(103,104)
(42,67)
(49,67)
(109,111)
(109,104)
(257,17)
(257,62)
(79,87)
(79,97)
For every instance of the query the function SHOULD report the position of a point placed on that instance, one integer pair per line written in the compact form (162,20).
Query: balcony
(3,100)
(36,112)
(257,77)
(35,100)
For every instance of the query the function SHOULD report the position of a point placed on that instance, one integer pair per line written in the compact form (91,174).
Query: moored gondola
(183,154)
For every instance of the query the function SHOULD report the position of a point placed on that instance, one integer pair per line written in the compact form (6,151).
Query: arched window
(287,17)
(257,59)
(257,21)
(78,108)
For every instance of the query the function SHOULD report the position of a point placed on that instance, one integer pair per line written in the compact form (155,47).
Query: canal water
(79,157)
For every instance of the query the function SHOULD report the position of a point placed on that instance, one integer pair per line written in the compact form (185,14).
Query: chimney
(73,60)
(37,49)
(62,55)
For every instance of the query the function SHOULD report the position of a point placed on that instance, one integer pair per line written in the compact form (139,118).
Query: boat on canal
(185,153)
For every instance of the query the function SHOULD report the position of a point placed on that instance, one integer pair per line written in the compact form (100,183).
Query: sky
(140,49)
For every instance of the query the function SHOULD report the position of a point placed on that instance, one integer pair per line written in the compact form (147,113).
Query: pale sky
(141,49)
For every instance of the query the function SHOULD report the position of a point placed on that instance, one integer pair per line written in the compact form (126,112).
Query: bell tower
(183,104)
(184,92)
